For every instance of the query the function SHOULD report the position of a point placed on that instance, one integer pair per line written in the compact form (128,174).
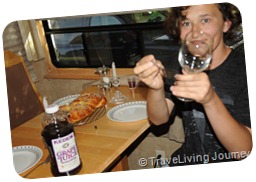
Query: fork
(154,63)
(42,163)
(100,113)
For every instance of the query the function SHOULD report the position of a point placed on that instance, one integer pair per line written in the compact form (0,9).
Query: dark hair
(228,11)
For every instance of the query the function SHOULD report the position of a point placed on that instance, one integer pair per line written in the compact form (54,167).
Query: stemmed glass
(195,53)
(103,73)
(132,84)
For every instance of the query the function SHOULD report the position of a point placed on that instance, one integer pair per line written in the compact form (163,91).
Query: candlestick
(114,69)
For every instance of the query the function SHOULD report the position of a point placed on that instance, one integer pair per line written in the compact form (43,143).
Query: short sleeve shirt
(229,81)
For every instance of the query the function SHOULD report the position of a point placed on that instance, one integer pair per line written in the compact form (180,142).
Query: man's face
(206,18)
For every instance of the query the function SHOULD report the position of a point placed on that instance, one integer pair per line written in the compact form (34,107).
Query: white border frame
(230,171)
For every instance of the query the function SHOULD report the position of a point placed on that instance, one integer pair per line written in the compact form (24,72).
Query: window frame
(52,72)
(86,73)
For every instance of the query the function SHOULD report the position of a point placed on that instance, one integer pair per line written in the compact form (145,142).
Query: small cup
(132,82)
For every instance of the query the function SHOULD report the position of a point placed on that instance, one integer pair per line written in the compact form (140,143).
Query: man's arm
(159,108)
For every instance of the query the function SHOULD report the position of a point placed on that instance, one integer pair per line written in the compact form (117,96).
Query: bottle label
(66,153)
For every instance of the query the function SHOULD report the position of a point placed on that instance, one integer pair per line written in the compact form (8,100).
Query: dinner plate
(66,100)
(128,112)
(25,157)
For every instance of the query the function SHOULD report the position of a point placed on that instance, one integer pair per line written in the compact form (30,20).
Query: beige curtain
(31,40)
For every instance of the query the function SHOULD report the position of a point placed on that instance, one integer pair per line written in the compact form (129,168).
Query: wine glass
(195,53)
(103,73)
(132,84)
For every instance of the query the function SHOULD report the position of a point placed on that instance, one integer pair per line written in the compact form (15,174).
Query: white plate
(66,100)
(25,157)
(128,112)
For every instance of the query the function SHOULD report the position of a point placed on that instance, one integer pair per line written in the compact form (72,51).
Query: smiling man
(217,122)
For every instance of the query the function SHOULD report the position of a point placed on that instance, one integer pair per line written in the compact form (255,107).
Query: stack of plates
(25,157)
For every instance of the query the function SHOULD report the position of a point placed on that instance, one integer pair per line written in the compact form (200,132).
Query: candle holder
(118,97)
(115,82)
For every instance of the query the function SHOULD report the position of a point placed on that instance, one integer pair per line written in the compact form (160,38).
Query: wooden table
(102,149)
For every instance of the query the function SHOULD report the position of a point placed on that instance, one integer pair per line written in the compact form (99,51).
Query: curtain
(31,40)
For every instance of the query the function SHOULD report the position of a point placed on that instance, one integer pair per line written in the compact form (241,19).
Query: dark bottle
(59,136)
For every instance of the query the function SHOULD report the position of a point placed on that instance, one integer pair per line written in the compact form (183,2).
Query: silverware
(47,160)
(160,68)
(95,117)
(100,113)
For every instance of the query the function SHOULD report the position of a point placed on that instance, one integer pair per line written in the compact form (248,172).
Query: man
(217,123)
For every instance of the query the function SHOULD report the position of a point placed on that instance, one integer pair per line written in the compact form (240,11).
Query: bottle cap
(52,109)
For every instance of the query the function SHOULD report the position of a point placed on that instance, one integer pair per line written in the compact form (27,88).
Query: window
(90,42)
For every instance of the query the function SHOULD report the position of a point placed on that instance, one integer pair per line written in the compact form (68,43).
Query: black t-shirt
(229,81)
